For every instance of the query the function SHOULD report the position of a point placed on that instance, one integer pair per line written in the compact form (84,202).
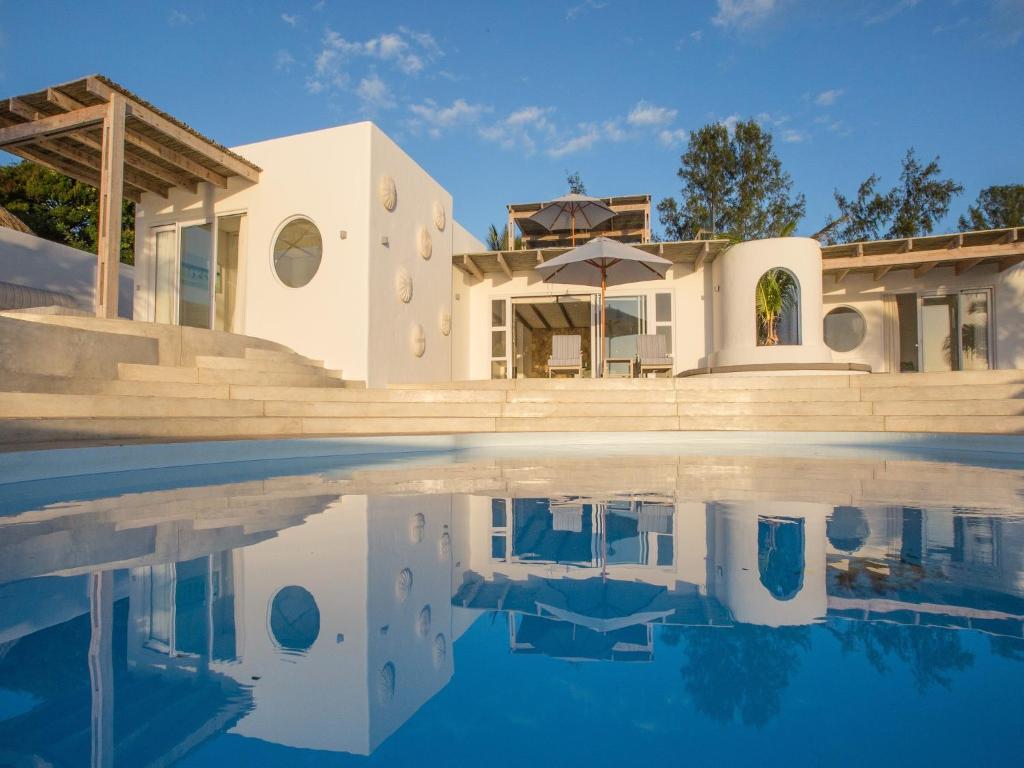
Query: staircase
(221,386)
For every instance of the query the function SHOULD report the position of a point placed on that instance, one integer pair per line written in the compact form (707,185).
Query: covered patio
(101,134)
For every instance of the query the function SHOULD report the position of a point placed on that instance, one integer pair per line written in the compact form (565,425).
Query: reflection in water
(219,623)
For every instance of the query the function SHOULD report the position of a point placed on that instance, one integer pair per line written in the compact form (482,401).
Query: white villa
(338,245)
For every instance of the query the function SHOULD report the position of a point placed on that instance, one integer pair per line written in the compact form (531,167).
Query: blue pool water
(515,609)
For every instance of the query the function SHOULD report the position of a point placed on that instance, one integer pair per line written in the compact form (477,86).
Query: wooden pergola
(100,133)
(630,224)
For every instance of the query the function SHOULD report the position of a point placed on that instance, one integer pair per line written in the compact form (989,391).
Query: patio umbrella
(603,262)
(571,211)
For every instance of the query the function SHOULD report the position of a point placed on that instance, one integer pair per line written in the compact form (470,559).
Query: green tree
(775,293)
(575,183)
(732,183)
(497,239)
(909,209)
(995,208)
(60,209)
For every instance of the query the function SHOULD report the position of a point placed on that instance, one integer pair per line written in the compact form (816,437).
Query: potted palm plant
(776,292)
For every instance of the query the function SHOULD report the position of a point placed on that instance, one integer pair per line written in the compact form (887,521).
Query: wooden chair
(566,355)
(652,354)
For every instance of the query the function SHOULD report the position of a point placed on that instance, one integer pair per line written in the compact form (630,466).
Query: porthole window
(844,329)
(294,619)
(298,249)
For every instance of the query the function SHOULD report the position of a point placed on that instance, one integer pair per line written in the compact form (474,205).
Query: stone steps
(191,375)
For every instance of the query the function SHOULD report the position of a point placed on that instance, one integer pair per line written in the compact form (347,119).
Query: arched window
(780,555)
(777,308)
(847,529)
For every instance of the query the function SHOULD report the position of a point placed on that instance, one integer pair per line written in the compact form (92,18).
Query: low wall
(34,262)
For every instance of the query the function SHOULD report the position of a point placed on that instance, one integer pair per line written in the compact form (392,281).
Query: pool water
(515,610)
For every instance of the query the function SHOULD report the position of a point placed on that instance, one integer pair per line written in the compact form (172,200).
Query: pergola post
(111,190)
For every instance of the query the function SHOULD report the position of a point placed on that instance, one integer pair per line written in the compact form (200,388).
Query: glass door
(938,329)
(624,317)
(195,296)
(165,275)
(975,330)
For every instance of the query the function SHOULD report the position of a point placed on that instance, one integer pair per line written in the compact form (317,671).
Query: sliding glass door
(938,334)
(194,296)
(943,332)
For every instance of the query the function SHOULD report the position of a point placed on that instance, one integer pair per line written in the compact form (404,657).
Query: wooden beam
(882,272)
(148,145)
(504,265)
(1010,237)
(52,126)
(73,171)
(941,255)
(957,241)
(966,265)
(565,314)
(841,275)
(140,164)
(705,251)
(925,268)
(109,214)
(21,109)
(203,146)
(471,265)
(93,161)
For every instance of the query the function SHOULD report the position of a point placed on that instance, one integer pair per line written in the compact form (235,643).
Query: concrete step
(395,426)
(350,394)
(587,424)
(812,408)
(960,407)
(945,392)
(791,395)
(185,375)
(363,410)
(263,366)
(51,430)
(592,396)
(783,423)
(940,378)
(89,386)
(585,409)
(254,353)
(800,381)
(49,406)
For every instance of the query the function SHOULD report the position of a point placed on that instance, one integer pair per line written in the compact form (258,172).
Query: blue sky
(498,100)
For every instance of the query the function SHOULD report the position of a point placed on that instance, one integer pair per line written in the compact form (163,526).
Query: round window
(297,252)
(844,329)
(294,619)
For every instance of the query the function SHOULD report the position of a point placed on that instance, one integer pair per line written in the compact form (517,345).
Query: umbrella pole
(604,283)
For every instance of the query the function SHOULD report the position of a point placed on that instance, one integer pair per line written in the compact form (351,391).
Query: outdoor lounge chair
(652,354)
(566,355)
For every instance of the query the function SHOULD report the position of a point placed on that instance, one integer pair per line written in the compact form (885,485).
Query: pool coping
(32,465)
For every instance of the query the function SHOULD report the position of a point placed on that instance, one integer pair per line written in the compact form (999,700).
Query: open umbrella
(571,211)
(603,262)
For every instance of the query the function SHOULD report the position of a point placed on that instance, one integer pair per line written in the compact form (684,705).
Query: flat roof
(61,127)
(962,250)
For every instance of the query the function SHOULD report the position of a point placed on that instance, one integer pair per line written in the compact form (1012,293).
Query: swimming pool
(512,605)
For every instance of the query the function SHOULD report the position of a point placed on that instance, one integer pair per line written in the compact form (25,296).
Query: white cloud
(290,19)
(374,93)
(730,122)
(575,11)
(672,137)
(697,35)
(436,118)
(177,18)
(793,136)
(283,61)
(743,13)
(828,98)
(646,114)
(586,138)
(520,128)
(891,9)
(408,50)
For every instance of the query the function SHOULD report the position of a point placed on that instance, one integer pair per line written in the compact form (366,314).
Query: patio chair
(566,355)
(620,350)
(652,354)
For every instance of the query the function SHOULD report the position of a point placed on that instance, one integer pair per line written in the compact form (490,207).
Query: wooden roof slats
(61,127)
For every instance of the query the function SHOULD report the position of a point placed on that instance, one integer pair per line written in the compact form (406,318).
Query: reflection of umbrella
(603,605)
(571,211)
(603,262)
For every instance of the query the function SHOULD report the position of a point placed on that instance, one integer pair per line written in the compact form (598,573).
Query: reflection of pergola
(101,134)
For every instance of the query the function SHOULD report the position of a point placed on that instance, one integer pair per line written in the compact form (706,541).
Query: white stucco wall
(864,294)
(33,262)
(735,274)
(393,323)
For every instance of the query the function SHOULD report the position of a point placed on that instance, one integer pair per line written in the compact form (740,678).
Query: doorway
(943,332)
(535,320)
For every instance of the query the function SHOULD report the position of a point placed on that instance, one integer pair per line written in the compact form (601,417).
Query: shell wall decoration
(417,340)
(440,219)
(403,285)
(388,193)
(425,243)
(444,322)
